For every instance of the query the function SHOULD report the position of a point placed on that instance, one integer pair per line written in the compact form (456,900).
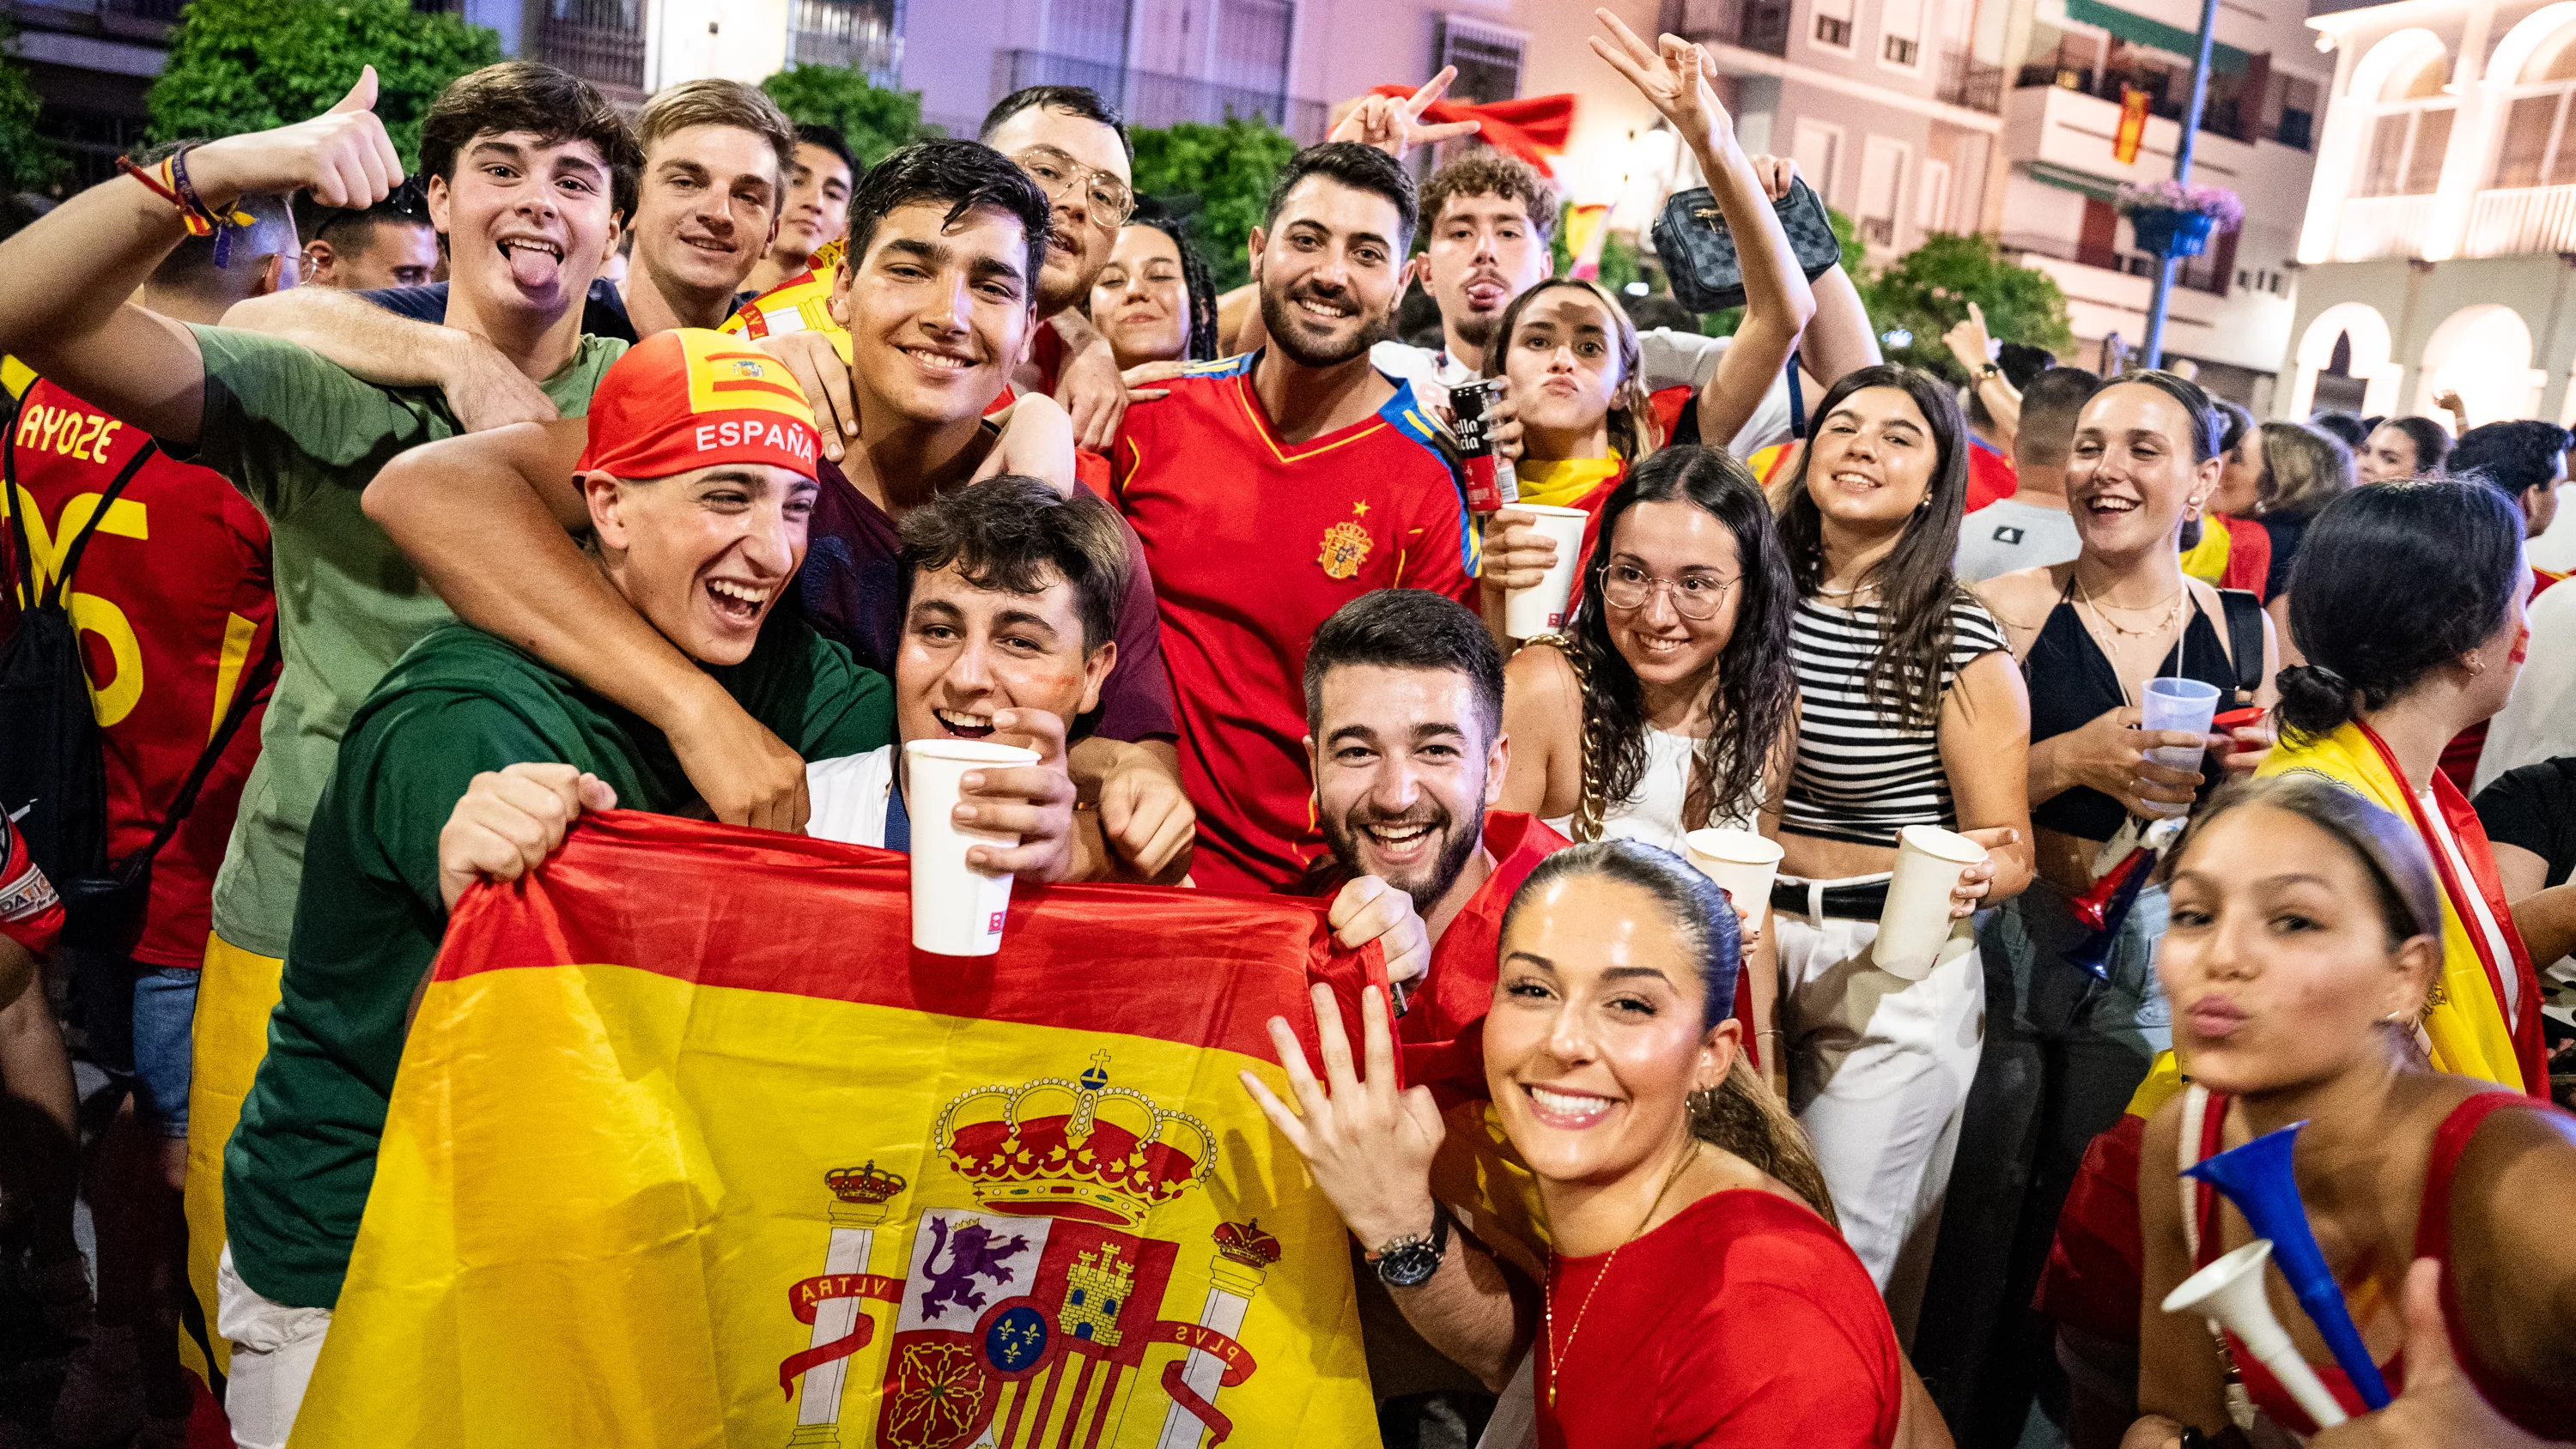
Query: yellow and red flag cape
(802,303)
(690,1147)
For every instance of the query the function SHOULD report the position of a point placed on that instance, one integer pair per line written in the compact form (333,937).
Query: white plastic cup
(957,910)
(1741,862)
(1916,920)
(1541,609)
(2187,705)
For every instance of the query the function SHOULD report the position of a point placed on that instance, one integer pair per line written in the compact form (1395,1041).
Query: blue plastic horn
(2257,1178)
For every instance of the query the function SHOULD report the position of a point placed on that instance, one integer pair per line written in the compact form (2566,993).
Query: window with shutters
(2537,149)
(1833,27)
(2411,132)
(1900,33)
(1488,58)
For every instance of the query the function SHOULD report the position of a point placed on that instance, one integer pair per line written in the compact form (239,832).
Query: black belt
(1845,902)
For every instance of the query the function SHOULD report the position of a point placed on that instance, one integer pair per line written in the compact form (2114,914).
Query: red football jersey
(30,913)
(1254,543)
(174,605)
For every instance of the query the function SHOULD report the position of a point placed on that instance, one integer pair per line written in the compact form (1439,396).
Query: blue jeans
(2065,1050)
(139,1019)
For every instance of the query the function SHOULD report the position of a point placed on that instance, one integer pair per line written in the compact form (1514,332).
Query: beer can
(1491,483)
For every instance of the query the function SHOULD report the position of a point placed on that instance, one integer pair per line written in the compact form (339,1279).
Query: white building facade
(2440,240)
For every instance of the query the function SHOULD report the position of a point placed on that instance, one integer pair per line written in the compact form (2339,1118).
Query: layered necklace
(2115,645)
(1557,1352)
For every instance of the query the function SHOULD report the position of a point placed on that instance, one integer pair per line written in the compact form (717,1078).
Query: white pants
(274,1348)
(1879,1069)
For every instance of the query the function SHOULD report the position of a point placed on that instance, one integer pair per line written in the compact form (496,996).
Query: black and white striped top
(1860,777)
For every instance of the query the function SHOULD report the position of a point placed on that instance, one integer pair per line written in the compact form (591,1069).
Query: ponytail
(1740,1115)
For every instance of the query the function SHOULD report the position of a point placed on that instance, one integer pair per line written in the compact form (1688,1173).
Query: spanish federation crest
(1346,547)
(1026,1321)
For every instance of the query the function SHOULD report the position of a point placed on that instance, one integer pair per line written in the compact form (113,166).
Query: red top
(174,605)
(1046,351)
(1745,1320)
(1991,478)
(2249,554)
(1441,1042)
(30,913)
(2546,1411)
(2460,756)
(1254,542)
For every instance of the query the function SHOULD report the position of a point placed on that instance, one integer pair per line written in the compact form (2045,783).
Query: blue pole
(2152,354)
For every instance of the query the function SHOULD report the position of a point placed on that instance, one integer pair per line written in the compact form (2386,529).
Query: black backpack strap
(25,557)
(1797,401)
(2244,638)
(245,699)
(107,500)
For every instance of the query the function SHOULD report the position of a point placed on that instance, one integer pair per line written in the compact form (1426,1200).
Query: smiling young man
(936,298)
(817,210)
(528,170)
(472,759)
(1273,488)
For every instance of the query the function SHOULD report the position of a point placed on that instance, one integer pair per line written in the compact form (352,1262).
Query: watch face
(1409,1266)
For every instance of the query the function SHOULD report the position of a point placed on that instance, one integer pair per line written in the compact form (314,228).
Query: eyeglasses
(1696,596)
(1110,200)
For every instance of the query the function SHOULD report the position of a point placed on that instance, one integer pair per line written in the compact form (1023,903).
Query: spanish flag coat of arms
(689,1147)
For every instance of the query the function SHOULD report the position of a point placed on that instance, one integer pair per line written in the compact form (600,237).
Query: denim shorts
(139,1019)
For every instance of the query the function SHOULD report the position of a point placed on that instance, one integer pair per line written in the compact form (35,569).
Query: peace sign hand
(1672,78)
(1395,126)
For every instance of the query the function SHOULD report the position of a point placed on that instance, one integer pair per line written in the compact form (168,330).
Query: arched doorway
(2342,361)
(2484,351)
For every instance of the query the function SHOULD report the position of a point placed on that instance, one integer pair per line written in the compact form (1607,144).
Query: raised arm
(487,518)
(1839,338)
(1777,301)
(1973,348)
(64,281)
(484,389)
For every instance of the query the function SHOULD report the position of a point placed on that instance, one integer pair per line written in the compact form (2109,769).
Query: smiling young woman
(2068,1043)
(1693,1293)
(2306,939)
(1909,713)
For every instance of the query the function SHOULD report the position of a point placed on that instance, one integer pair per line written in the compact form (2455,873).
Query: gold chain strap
(1589,808)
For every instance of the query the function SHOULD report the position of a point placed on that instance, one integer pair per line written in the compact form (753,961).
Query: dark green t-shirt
(369,917)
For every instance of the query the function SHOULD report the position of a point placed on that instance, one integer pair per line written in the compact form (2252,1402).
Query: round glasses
(1694,596)
(1110,200)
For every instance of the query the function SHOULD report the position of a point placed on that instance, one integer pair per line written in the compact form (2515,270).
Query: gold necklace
(2103,612)
(1547,1306)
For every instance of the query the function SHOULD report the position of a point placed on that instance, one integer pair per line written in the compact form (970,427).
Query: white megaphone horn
(2229,1293)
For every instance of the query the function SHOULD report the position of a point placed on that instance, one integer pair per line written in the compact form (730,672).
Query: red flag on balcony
(2133,125)
(1532,128)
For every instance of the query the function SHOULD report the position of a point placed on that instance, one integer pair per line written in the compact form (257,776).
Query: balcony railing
(1760,25)
(2200,274)
(2224,115)
(602,41)
(2382,226)
(867,34)
(1970,82)
(2525,219)
(1151,99)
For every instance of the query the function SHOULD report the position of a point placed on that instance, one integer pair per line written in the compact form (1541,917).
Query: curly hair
(1752,689)
(1633,433)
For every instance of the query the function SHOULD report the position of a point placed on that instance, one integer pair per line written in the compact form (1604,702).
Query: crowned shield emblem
(1346,547)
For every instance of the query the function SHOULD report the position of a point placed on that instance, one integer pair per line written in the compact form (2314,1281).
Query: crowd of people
(388,524)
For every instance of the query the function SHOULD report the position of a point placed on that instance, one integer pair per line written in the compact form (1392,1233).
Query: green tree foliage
(249,65)
(875,119)
(28,162)
(1927,291)
(1225,172)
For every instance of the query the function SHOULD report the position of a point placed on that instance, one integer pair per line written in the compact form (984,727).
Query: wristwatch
(2192,1438)
(1409,1261)
(1991,369)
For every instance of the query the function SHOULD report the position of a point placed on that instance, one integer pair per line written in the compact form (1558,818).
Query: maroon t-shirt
(852,591)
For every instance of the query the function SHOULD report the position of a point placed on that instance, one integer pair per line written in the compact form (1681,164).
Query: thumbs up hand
(342,156)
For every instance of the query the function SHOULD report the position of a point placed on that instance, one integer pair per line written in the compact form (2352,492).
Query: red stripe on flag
(758,910)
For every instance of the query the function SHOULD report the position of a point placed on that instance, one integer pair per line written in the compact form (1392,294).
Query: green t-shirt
(297,1170)
(302,439)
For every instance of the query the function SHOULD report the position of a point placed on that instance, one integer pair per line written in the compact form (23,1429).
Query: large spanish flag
(689,1147)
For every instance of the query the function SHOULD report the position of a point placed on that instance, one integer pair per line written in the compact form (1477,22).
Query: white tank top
(1655,815)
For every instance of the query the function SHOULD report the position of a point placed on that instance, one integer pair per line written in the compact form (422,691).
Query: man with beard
(1404,721)
(1273,488)
(1489,219)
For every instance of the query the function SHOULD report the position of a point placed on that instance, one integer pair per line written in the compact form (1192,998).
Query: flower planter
(2172,233)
